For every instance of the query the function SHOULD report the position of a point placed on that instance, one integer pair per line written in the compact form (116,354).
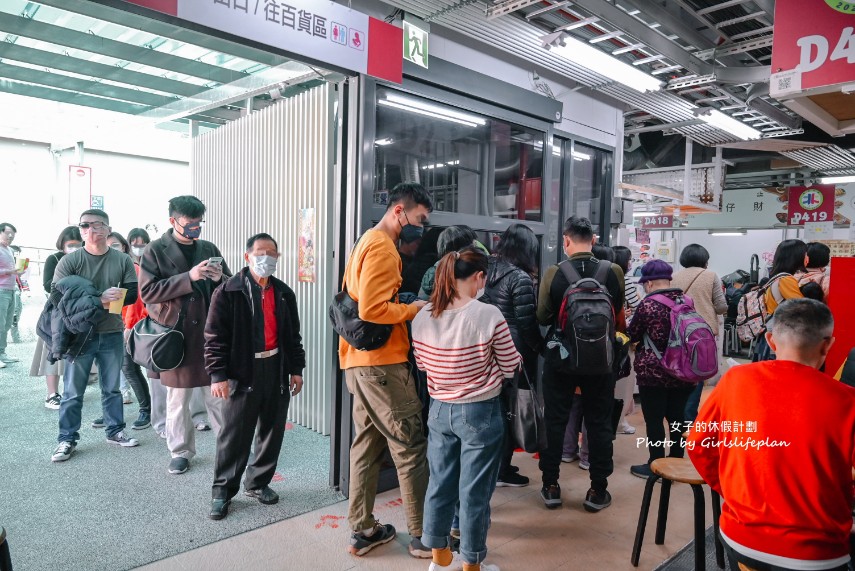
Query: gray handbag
(525,410)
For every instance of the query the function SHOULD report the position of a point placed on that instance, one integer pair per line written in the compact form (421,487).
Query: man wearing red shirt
(777,440)
(254,355)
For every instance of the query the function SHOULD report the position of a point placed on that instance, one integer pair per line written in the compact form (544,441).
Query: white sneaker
(126,396)
(2,365)
(53,401)
(455,565)
(625,427)
(203,426)
(63,452)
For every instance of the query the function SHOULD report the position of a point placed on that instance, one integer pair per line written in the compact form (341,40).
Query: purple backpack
(692,352)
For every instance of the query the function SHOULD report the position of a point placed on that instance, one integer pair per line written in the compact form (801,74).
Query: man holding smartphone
(178,275)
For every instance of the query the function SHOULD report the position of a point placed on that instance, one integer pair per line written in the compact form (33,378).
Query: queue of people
(478,322)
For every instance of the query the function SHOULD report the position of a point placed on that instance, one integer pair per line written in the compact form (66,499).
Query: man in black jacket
(558,387)
(254,355)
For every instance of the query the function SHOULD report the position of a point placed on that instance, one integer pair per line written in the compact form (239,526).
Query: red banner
(810,204)
(814,44)
(658,221)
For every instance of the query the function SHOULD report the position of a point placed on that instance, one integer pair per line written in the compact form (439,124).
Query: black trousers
(734,558)
(659,404)
(597,404)
(139,384)
(258,414)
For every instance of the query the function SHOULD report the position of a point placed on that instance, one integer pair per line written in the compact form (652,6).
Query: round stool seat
(677,470)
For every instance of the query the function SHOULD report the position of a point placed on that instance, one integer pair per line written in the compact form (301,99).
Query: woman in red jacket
(131,314)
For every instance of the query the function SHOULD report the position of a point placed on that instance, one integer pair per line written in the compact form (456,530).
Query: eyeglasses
(93,225)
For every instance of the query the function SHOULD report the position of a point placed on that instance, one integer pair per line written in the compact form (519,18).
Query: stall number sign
(811,204)
(660,221)
(814,45)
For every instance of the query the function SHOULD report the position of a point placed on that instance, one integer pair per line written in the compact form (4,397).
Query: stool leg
(662,519)
(716,511)
(642,519)
(700,543)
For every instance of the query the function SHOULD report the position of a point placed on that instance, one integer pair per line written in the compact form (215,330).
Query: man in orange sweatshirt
(386,406)
(777,440)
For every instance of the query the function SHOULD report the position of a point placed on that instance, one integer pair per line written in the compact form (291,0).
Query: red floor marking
(288,426)
(277,477)
(330,520)
(518,450)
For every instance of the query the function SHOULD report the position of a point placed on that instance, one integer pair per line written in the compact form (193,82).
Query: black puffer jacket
(511,289)
(71,314)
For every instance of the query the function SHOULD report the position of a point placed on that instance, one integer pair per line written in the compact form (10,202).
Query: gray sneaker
(119,439)
(178,465)
(418,549)
(360,544)
(7,359)
(63,452)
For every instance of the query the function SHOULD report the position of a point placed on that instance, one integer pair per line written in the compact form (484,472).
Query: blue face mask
(190,232)
(409,232)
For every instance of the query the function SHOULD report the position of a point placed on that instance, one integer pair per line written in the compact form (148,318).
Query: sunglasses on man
(93,225)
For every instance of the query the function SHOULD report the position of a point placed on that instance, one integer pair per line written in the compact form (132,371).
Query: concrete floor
(524,534)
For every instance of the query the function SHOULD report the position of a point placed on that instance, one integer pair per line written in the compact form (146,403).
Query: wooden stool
(678,470)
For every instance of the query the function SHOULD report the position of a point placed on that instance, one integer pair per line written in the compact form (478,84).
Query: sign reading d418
(657,221)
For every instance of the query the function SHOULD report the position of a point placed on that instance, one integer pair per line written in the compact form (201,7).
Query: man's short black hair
(808,321)
(187,206)
(96,212)
(4,225)
(694,256)
(260,236)
(819,255)
(409,194)
(578,229)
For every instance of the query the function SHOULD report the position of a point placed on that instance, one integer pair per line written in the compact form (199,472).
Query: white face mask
(116,246)
(138,252)
(70,249)
(263,266)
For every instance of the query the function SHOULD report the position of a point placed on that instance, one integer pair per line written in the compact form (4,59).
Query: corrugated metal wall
(254,175)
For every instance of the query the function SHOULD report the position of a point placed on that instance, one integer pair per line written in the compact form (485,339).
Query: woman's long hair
(789,257)
(458,265)
(518,246)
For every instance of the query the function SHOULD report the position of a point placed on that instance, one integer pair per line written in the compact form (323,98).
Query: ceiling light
(600,62)
(581,156)
(420,107)
(718,119)
(837,179)
(384,142)
(728,232)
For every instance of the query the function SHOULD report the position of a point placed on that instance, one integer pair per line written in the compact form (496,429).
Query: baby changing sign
(810,204)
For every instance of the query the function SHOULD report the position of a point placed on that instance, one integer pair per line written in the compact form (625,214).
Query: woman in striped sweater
(467,351)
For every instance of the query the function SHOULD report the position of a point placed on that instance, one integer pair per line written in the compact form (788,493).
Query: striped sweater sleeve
(506,353)
(632,298)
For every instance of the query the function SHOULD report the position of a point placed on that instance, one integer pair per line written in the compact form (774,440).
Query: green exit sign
(415,44)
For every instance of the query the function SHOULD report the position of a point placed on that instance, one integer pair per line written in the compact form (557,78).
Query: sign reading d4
(415,44)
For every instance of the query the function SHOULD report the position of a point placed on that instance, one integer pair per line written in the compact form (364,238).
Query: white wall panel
(254,175)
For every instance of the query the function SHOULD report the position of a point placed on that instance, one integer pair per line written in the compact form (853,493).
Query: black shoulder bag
(525,411)
(155,346)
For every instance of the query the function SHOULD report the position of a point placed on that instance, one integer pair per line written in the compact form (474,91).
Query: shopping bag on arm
(525,409)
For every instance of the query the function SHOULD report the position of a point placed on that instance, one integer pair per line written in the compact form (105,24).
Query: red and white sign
(79,192)
(810,204)
(324,31)
(658,221)
(814,45)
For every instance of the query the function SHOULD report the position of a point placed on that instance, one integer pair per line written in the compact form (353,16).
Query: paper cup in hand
(21,264)
(116,306)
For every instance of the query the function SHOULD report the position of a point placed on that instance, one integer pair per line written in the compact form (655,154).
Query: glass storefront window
(471,164)
(591,180)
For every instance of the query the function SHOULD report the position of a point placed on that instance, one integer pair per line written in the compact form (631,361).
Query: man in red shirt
(254,355)
(777,440)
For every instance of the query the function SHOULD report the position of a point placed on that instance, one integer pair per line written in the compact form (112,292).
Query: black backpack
(586,322)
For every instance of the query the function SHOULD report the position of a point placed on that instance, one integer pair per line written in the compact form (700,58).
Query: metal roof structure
(79,52)
(710,54)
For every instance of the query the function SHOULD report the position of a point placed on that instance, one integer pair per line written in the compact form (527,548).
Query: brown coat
(164,286)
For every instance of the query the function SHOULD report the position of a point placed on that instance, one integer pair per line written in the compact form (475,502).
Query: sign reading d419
(810,204)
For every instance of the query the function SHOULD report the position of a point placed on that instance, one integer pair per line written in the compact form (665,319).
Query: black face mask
(409,232)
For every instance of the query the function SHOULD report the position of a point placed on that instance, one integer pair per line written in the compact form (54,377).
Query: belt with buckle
(266,354)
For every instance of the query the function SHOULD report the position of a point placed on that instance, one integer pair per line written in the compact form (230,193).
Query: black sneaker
(596,501)
(98,422)
(119,439)
(360,544)
(551,496)
(53,401)
(418,549)
(512,480)
(144,421)
(641,471)
(265,495)
(178,465)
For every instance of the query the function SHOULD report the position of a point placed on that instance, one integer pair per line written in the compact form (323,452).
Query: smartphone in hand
(215,261)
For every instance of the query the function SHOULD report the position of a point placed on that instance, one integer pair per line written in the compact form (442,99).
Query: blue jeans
(464,455)
(108,351)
